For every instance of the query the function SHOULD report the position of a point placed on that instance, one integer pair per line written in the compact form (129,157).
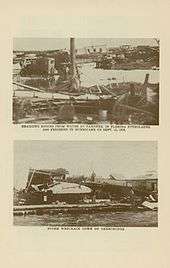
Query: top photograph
(86,81)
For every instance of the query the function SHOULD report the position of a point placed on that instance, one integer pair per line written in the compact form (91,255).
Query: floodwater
(91,76)
(114,219)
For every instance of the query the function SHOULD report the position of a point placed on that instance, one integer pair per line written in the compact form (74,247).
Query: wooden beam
(29,87)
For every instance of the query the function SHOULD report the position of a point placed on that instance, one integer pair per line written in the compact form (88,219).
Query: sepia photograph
(86,81)
(85,183)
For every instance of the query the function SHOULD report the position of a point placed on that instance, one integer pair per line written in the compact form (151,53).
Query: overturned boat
(49,186)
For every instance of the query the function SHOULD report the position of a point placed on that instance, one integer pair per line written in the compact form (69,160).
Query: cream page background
(36,246)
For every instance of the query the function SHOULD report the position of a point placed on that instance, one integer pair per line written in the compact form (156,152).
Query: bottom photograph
(85,183)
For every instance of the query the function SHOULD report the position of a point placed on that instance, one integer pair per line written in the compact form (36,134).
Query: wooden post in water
(145,85)
(146,79)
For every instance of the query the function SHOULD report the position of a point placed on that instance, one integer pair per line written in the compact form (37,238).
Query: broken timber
(68,208)
(28,87)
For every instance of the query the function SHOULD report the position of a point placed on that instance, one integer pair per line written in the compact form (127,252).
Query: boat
(49,186)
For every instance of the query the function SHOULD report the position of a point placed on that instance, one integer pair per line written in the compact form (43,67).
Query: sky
(128,158)
(62,43)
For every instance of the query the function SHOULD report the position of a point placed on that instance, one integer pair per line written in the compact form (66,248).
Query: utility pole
(75,83)
(73,57)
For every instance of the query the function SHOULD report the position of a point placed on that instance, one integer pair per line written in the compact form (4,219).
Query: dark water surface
(114,219)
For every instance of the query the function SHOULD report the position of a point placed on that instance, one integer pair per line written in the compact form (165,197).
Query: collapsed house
(120,105)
